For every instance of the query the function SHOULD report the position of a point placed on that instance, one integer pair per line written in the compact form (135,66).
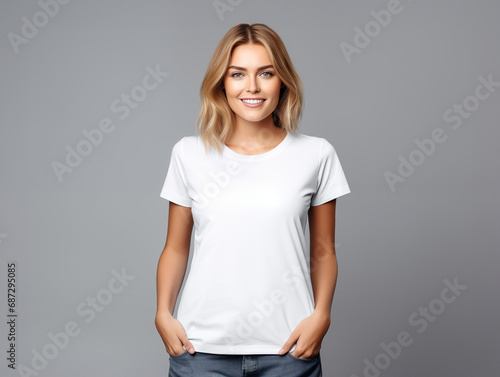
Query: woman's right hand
(172,333)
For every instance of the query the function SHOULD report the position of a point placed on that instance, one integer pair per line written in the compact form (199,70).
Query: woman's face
(251,83)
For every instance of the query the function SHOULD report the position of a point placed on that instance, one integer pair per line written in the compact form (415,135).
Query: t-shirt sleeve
(331,182)
(175,185)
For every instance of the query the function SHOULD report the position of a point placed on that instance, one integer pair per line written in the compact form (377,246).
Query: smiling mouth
(253,101)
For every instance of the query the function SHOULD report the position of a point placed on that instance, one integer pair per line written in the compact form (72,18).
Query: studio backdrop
(94,94)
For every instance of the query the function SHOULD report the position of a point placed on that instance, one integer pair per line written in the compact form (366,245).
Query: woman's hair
(216,119)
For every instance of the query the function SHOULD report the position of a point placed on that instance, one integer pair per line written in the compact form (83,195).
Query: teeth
(252,101)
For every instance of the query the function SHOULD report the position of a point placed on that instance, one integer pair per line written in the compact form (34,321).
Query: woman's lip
(253,104)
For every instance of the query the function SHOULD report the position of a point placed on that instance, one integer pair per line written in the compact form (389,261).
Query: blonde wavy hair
(216,118)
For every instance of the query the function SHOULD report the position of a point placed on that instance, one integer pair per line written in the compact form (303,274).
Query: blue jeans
(202,364)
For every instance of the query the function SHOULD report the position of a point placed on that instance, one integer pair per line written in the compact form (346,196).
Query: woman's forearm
(324,267)
(170,274)
(324,271)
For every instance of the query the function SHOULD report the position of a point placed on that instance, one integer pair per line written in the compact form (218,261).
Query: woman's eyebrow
(244,69)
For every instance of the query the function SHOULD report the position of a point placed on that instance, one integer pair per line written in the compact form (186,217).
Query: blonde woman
(257,299)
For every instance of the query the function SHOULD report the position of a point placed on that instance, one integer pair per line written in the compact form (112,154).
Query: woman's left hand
(308,335)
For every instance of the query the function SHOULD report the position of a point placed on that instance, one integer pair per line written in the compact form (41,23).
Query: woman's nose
(252,84)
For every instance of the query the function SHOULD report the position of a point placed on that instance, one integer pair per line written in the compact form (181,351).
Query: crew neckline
(257,157)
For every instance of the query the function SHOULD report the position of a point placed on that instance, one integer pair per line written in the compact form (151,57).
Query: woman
(248,183)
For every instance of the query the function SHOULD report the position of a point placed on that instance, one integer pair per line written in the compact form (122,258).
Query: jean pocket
(179,355)
(303,359)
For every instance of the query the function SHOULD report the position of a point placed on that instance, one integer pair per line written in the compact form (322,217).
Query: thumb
(187,344)
(288,344)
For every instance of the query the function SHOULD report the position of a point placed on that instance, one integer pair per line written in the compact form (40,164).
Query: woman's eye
(239,74)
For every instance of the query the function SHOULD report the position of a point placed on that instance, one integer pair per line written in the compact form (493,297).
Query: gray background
(395,248)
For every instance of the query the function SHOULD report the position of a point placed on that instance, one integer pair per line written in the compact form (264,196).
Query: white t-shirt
(249,284)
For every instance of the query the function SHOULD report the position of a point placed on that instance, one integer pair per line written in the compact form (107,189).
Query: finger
(187,344)
(288,344)
(172,351)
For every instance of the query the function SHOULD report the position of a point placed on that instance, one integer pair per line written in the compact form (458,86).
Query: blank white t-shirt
(249,284)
